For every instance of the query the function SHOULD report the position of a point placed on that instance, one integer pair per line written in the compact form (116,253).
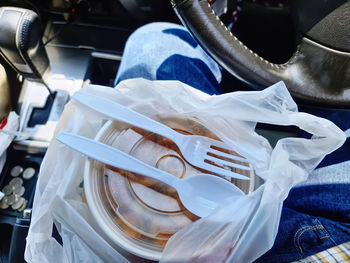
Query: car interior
(64,45)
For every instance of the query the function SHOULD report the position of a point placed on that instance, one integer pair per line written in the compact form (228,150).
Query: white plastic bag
(240,230)
(9,124)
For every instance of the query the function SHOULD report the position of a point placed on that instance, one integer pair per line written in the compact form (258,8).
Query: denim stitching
(297,236)
(325,231)
(299,233)
(321,227)
(301,230)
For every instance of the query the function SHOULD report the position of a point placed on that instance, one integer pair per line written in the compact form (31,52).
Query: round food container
(136,213)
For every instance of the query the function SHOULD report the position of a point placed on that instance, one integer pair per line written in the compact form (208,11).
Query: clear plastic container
(137,213)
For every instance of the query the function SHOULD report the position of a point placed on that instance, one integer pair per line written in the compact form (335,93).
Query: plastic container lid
(137,213)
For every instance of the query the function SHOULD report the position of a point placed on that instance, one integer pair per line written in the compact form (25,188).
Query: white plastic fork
(194,148)
(200,193)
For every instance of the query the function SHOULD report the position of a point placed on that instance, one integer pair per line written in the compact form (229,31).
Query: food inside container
(137,213)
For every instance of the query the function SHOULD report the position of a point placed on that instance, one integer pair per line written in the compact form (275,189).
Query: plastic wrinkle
(233,229)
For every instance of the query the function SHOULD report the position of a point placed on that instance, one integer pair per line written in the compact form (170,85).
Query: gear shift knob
(20,42)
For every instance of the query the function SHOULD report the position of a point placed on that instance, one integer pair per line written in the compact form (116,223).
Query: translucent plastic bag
(240,230)
(8,125)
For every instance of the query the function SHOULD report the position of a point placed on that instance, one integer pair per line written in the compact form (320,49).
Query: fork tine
(219,144)
(221,171)
(230,164)
(228,155)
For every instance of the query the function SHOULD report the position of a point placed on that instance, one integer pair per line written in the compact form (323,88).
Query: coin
(28,173)
(18,204)
(12,199)
(16,181)
(16,171)
(7,190)
(23,207)
(3,203)
(19,190)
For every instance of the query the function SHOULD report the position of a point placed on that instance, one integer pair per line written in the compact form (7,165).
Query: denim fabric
(314,217)
(333,174)
(165,51)
(199,71)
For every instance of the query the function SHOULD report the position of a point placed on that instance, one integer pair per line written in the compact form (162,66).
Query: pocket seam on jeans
(324,230)
(303,229)
(297,236)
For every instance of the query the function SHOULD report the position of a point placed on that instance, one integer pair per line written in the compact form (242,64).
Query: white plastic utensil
(195,149)
(200,193)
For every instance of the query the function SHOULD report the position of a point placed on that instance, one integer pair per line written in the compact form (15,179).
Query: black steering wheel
(318,71)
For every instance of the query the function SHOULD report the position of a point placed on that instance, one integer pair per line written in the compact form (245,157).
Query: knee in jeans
(152,28)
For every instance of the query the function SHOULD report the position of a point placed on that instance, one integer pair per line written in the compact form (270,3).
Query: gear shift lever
(21,44)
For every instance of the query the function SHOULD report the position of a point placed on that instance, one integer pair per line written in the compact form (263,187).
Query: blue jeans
(149,53)
(314,217)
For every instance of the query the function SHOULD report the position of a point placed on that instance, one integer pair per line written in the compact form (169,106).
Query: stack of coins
(15,190)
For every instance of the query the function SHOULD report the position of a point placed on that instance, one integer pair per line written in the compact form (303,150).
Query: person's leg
(314,218)
(166,51)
